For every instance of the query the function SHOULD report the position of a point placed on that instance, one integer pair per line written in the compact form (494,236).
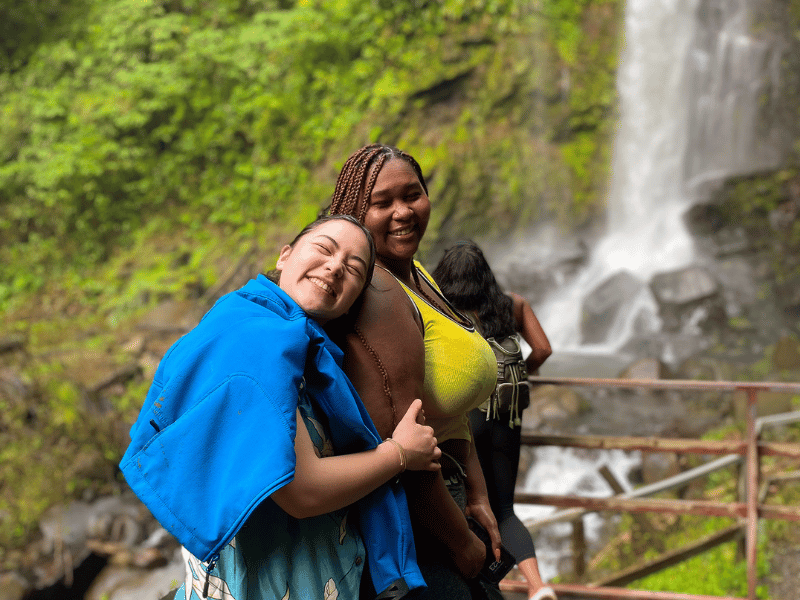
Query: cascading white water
(689,82)
(733,77)
(646,200)
(559,471)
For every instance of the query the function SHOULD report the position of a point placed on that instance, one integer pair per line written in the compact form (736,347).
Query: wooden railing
(747,511)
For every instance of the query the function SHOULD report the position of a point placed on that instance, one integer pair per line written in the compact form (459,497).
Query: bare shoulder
(518,303)
(385,354)
(386,306)
(517,299)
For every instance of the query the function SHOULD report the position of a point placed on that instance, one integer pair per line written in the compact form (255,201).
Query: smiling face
(398,212)
(326,269)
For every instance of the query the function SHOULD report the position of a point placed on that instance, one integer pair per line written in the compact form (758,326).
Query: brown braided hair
(355,184)
(358,175)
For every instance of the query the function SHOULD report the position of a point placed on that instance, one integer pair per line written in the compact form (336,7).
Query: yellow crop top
(460,368)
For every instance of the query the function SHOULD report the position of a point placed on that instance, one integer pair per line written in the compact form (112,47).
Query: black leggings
(497,446)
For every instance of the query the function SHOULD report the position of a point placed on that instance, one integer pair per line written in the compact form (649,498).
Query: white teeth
(323,285)
(405,231)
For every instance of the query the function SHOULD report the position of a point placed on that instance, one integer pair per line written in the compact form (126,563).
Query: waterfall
(570,471)
(690,80)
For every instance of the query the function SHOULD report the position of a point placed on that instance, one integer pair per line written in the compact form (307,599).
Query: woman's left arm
(531,331)
(478,506)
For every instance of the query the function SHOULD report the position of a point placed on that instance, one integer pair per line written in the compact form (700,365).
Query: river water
(573,471)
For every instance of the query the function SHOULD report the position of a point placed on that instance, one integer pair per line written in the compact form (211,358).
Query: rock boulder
(606,304)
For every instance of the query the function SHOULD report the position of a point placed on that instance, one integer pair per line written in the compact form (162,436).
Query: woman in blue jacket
(262,506)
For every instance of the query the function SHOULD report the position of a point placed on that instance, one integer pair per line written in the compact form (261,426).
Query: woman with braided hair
(407,341)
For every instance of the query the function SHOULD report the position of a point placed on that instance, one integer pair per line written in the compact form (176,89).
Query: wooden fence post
(578,548)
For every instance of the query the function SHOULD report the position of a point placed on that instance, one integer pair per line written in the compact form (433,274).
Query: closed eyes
(355,270)
(353,267)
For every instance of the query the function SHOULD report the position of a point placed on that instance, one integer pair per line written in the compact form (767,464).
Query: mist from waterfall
(689,82)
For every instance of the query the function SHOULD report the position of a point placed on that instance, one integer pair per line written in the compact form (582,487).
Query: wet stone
(13,586)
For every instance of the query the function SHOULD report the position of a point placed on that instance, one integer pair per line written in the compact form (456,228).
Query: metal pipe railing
(750,510)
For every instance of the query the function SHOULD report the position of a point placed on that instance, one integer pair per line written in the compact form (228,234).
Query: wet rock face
(643,369)
(786,356)
(689,300)
(657,466)
(15,391)
(605,304)
(132,582)
(672,349)
(736,276)
(112,545)
(788,296)
(683,286)
(551,404)
(13,586)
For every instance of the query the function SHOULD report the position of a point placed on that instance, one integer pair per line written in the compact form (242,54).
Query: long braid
(373,177)
(351,181)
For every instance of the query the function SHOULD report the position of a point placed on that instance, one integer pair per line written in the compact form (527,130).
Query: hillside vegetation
(178,114)
(148,145)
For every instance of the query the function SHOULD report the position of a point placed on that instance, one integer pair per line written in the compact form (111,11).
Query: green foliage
(714,573)
(739,322)
(44,455)
(144,109)
(221,112)
(749,202)
(25,24)
(587,41)
(758,195)
(565,18)
(719,571)
(147,145)
(579,155)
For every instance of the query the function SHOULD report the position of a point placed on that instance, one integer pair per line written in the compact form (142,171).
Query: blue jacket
(215,436)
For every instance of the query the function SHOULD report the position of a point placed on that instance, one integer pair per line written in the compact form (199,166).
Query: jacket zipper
(211,564)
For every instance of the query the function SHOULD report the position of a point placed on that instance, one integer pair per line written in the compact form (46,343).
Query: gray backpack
(512,393)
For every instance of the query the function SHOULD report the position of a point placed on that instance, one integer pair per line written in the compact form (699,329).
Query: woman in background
(466,279)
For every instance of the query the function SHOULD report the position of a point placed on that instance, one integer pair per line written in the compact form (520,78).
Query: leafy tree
(25,24)
(226,111)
